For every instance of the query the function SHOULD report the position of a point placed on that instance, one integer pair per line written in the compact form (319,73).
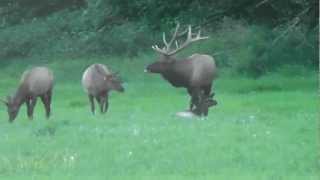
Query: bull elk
(37,82)
(98,81)
(195,73)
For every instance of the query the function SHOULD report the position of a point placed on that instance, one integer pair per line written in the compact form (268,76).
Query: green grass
(265,128)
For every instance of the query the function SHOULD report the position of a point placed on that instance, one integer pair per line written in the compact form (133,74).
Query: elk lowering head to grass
(98,81)
(37,82)
(195,73)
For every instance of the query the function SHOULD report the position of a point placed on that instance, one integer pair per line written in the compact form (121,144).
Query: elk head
(114,82)
(12,108)
(166,53)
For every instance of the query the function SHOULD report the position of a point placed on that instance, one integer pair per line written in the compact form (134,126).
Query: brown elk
(195,73)
(98,81)
(37,82)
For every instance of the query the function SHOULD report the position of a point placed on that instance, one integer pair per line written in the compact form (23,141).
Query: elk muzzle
(156,67)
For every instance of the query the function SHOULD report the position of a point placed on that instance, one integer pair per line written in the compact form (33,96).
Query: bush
(99,27)
(70,33)
(256,50)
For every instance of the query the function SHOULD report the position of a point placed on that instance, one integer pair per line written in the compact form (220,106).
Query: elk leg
(106,106)
(91,100)
(104,102)
(48,104)
(45,100)
(32,103)
(204,104)
(192,99)
(49,95)
(196,101)
(100,102)
(28,101)
(201,105)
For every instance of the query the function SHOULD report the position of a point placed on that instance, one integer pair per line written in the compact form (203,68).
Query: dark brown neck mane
(178,75)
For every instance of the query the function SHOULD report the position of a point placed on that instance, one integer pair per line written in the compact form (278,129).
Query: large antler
(167,48)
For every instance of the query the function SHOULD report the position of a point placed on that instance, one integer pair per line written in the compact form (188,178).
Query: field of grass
(264,128)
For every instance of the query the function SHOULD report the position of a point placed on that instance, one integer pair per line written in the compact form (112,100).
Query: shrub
(99,27)
(255,50)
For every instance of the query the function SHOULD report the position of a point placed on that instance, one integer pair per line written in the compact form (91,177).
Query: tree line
(85,27)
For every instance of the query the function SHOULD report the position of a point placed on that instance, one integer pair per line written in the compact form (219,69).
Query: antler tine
(188,41)
(174,36)
(199,35)
(189,33)
(164,39)
(183,32)
(166,49)
(156,48)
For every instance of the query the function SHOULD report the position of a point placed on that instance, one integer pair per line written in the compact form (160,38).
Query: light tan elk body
(37,82)
(195,73)
(98,81)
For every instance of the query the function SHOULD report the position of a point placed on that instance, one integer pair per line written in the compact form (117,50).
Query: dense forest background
(251,36)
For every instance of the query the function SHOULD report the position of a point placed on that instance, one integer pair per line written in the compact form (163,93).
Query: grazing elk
(37,82)
(98,81)
(196,72)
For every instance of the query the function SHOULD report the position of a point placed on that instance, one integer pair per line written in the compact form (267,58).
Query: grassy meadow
(264,128)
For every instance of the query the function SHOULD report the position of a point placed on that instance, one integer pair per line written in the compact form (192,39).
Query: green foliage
(13,12)
(255,50)
(60,35)
(250,36)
